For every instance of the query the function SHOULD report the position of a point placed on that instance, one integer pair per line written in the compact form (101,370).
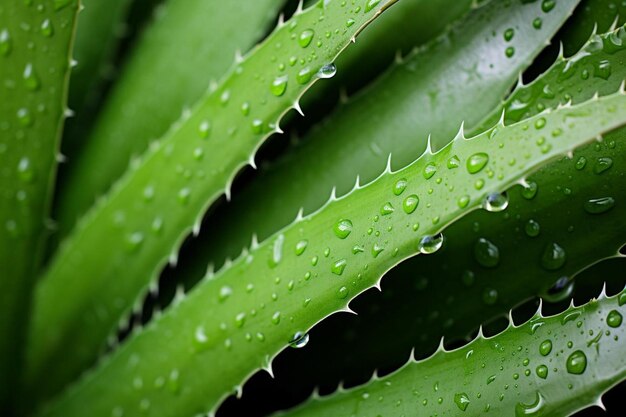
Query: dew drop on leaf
(410,203)
(553,257)
(477,162)
(530,409)
(299,340)
(576,362)
(430,243)
(327,71)
(343,228)
(400,186)
(599,205)
(486,253)
(545,347)
(496,202)
(461,400)
(614,319)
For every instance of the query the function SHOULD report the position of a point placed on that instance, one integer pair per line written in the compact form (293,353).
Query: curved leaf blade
(548,366)
(251,309)
(126,239)
(35,43)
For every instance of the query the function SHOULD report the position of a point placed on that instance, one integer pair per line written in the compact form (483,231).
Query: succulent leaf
(125,240)
(236,321)
(431,92)
(179,56)
(35,43)
(547,366)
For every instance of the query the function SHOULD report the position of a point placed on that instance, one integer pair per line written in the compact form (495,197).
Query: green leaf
(236,321)
(430,93)
(548,366)
(126,239)
(35,40)
(169,70)
(492,262)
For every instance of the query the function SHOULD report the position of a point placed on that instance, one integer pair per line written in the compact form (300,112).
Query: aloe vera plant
(478,172)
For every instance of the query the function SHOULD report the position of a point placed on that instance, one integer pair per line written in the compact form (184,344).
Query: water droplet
(5,43)
(338,266)
(542,371)
(429,170)
(463,201)
(454,162)
(200,339)
(134,241)
(602,69)
(224,293)
(342,292)
(204,129)
(486,253)
(490,296)
(299,340)
(495,202)
(343,228)
(430,243)
(461,400)
(545,347)
(534,408)
(614,319)
(25,170)
(410,203)
(304,75)
(386,209)
(532,228)
(30,78)
(580,163)
(547,5)
(508,34)
(621,300)
(277,251)
(602,164)
(377,249)
(576,362)
(279,85)
(24,117)
(306,37)
(276,318)
(509,52)
(599,205)
(183,195)
(327,71)
(400,186)
(477,162)
(301,247)
(553,257)
(46,28)
(529,190)
(370,5)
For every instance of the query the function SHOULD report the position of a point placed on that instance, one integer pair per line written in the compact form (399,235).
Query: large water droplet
(532,228)
(400,186)
(495,202)
(545,347)
(304,75)
(429,170)
(327,71)
(461,400)
(410,203)
(338,266)
(614,319)
(25,170)
(386,209)
(277,251)
(599,205)
(370,5)
(576,362)
(477,162)
(532,409)
(301,247)
(553,257)
(279,85)
(602,164)
(305,38)
(343,228)
(529,190)
(47,29)
(299,340)
(486,253)
(430,243)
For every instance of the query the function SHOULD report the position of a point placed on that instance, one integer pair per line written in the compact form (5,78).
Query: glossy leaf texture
(235,322)
(547,366)
(126,239)
(35,44)
(431,93)
(177,55)
(566,217)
